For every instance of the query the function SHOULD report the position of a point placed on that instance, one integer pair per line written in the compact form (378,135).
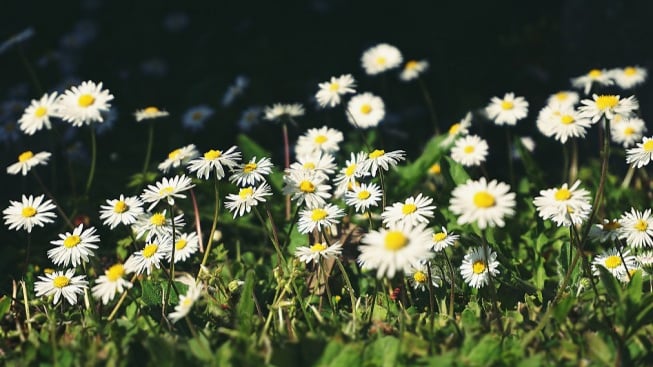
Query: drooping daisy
(156,224)
(562,123)
(564,205)
(613,261)
(280,111)
(247,198)
(84,104)
(29,212)
(324,139)
(111,283)
(61,283)
(470,150)
(642,154)
(186,244)
(412,211)
(419,276)
(350,173)
(149,113)
(477,269)
(150,256)
(319,217)
(195,117)
(443,239)
(380,159)
(124,210)
(215,161)
(460,128)
(37,115)
(395,249)
(413,69)
(607,231)
(178,157)
(563,99)
(637,228)
(331,92)
(74,248)
(252,172)
(27,160)
(317,251)
(318,163)
(598,76)
(365,110)
(628,132)
(363,196)
(380,58)
(608,106)
(629,77)
(167,189)
(481,202)
(306,187)
(186,301)
(507,110)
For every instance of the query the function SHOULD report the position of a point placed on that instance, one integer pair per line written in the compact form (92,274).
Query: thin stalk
(431,299)
(382,188)
(352,297)
(120,300)
(286,162)
(429,104)
(91,173)
(216,211)
(28,317)
(320,268)
(291,226)
(166,297)
(452,274)
(573,166)
(148,150)
(511,169)
(272,233)
(51,197)
(628,177)
(493,291)
(198,225)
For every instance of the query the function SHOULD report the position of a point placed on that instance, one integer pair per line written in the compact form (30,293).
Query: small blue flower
(195,117)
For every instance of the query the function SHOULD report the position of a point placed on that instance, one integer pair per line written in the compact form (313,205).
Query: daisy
(481,202)
(156,224)
(280,111)
(562,99)
(629,77)
(608,231)
(413,211)
(84,104)
(608,106)
(215,160)
(27,160)
(645,260)
(318,251)
(443,239)
(507,110)
(31,211)
(235,90)
(435,172)
(363,196)
(306,187)
(111,283)
(186,301)
(61,283)
(470,150)
(350,172)
(613,261)
(378,159)
(318,163)
(252,172)
(562,123)
(380,58)
(37,115)
(642,154)
(628,132)
(365,110)
(460,128)
(247,198)
(324,139)
(564,205)
(150,256)
(186,244)
(637,228)
(395,249)
(195,117)
(178,157)
(249,118)
(123,210)
(73,248)
(167,189)
(601,77)
(149,113)
(413,69)
(319,217)
(419,276)
(330,92)
(477,269)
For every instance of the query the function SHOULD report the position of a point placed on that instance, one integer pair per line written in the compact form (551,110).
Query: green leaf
(201,348)
(245,307)
(610,283)
(383,352)
(412,173)
(140,179)
(486,351)
(457,172)
(5,304)
(250,148)
(634,289)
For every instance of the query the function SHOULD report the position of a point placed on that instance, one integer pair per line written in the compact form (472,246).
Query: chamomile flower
(614,262)
(195,117)
(186,244)
(123,210)
(412,211)
(628,132)
(563,99)
(280,111)
(319,217)
(607,231)
(629,77)
(477,268)
(642,154)
(380,58)
(507,110)
(380,159)
(598,76)
(395,249)
(562,123)
(460,128)
(330,92)
(470,150)
(413,69)
(481,202)
(363,196)
(637,228)
(73,248)
(443,239)
(419,276)
(318,251)
(27,160)
(247,198)
(350,173)
(149,257)
(149,113)
(318,163)
(324,139)
(306,187)
(156,224)
(608,106)
(111,283)
(37,115)
(186,301)
(29,212)
(178,157)
(365,110)
(215,160)
(252,172)
(564,205)
(84,104)
(167,189)
(61,283)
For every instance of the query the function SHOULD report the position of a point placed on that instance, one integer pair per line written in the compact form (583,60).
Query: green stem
(429,104)
(120,300)
(148,151)
(216,211)
(91,172)
(352,298)
(453,284)
(286,162)
(493,291)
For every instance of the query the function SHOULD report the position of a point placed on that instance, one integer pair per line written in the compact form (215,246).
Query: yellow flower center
(478,266)
(629,131)
(120,207)
(212,154)
(630,71)
(408,208)
(362,195)
(320,139)
(483,199)
(377,153)
(306,186)
(641,225)
(594,73)
(561,96)
(25,156)
(158,219)
(28,212)
(453,130)
(612,261)
(174,154)
(246,193)
(435,169)
(249,167)
(562,194)
(40,111)
(60,281)
(366,109)
(197,115)
(181,244)
(334,87)
(318,247)
(607,101)
(381,60)
(351,169)
(395,240)
(72,241)
(648,146)
(567,119)
(309,166)
(468,149)
(419,277)
(411,65)
(318,214)
(166,190)
(85,100)
(115,272)
(150,250)
(151,110)
(440,236)
(507,105)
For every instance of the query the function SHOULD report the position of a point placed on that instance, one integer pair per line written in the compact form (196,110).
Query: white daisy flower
(481,202)
(27,160)
(562,124)
(395,249)
(111,283)
(215,161)
(507,110)
(167,189)
(247,198)
(186,244)
(419,276)
(84,104)
(365,110)
(613,261)
(413,211)
(563,99)
(29,212)
(306,187)
(156,224)
(318,163)
(319,217)
(378,159)
(324,139)
(642,154)
(413,69)
(443,239)
(330,92)
(186,301)
(150,256)
(460,128)
(363,196)
(124,210)
(61,283)
(628,132)
(74,248)
(280,111)
(149,113)
(637,228)
(470,150)
(584,82)
(629,77)
(37,115)
(318,251)
(350,173)
(607,231)
(608,106)
(477,269)
(380,58)
(178,157)
(251,173)
(564,205)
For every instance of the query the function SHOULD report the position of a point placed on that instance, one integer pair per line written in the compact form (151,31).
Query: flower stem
(351,291)
(286,162)
(196,214)
(91,172)
(51,197)
(429,104)
(216,211)
(453,284)
(148,151)
(120,300)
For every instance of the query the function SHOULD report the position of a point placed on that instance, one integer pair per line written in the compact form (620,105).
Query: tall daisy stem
(493,291)
(120,300)
(286,162)
(429,104)
(629,176)
(91,173)
(209,241)
(573,166)
(172,261)
(453,284)
(350,289)
(148,151)
(198,225)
